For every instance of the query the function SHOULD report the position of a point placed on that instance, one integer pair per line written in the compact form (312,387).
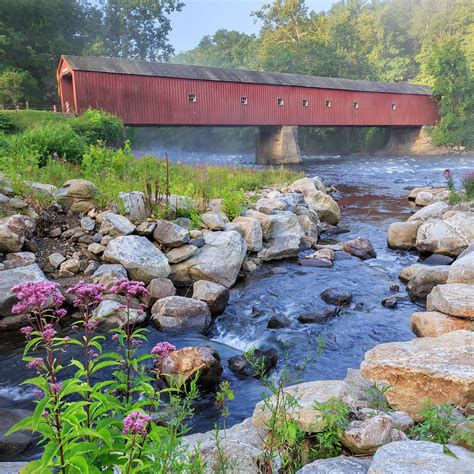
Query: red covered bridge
(163,94)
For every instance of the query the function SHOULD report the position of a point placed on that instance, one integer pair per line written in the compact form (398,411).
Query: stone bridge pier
(277,145)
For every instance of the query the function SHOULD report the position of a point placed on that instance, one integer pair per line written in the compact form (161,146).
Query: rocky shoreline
(71,240)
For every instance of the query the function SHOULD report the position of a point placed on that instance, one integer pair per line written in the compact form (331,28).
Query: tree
(15,85)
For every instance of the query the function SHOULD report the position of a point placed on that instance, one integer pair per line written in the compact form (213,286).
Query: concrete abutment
(277,145)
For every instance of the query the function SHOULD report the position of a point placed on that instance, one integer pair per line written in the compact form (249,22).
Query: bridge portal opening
(67,94)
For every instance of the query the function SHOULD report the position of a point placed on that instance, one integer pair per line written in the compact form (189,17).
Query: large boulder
(170,234)
(455,299)
(327,209)
(432,211)
(13,232)
(409,272)
(305,186)
(139,256)
(365,437)
(214,295)
(177,313)
(402,235)
(252,231)
(420,286)
(180,254)
(158,289)
(434,324)
(109,274)
(286,246)
(114,224)
(449,237)
(360,247)
(213,220)
(184,364)
(111,314)
(16,276)
(219,260)
(282,224)
(421,457)
(135,205)
(78,195)
(462,270)
(434,368)
(306,416)
(339,465)
(14,444)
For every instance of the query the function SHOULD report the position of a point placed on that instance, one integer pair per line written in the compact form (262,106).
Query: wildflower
(115,337)
(37,393)
(131,289)
(93,354)
(36,296)
(26,331)
(163,349)
(87,294)
(48,332)
(136,342)
(447,173)
(136,423)
(56,387)
(45,414)
(67,340)
(90,325)
(60,313)
(36,363)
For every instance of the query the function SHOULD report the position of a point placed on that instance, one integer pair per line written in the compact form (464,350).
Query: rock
(437,259)
(397,435)
(180,254)
(310,228)
(390,302)
(336,297)
(170,234)
(432,211)
(455,299)
(462,270)
(139,256)
(439,369)
(45,189)
(252,232)
(365,437)
(55,259)
(78,195)
(13,232)
(282,224)
(14,444)
(72,265)
(183,364)
(214,295)
(305,415)
(135,205)
(279,248)
(434,324)
(246,365)
(339,465)
(278,322)
(421,457)
(449,237)
(92,266)
(268,205)
(213,221)
(176,313)
(145,228)
(109,274)
(315,262)
(402,421)
(111,316)
(304,186)
(115,225)
(19,259)
(17,204)
(415,191)
(12,467)
(199,242)
(327,209)
(402,235)
(469,250)
(317,316)
(96,249)
(360,247)
(219,260)
(16,276)
(420,286)
(87,224)
(158,289)
(409,272)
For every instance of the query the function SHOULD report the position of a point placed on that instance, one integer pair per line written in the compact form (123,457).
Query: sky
(204,17)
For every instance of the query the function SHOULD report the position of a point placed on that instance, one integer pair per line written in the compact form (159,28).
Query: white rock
(135,205)
(115,225)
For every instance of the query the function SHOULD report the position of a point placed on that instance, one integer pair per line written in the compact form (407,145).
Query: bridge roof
(184,71)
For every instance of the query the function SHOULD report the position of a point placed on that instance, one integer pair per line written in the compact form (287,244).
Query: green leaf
(103,365)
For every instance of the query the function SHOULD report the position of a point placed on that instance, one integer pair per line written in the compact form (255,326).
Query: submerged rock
(336,296)
(360,247)
(246,366)
(318,315)
(278,322)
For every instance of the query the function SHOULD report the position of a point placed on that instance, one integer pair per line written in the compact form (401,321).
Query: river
(372,193)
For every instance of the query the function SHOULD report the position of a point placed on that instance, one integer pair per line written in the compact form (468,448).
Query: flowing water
(372,193)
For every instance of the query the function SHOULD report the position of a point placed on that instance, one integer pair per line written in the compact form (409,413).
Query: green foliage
(334,420)
(98,126)
(468,185)
(438,425)
(376,397)
(15,85)
(6,123)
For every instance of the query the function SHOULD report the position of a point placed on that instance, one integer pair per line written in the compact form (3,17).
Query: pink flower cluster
(36,296)
(87,293)
(136,423)
(48,332)
(163,349)
(130,288)
(36,363)
(26,331)
(56,387)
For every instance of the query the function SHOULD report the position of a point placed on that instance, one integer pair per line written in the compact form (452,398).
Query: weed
(377,399)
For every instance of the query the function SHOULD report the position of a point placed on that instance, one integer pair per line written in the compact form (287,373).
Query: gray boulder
(252,232)
(462,270)
(213,220)
(14,444)
(420,286)
(135,205)
(13,232)
(159,288)
(432,211)
(327,209)
(111,316)
(114,224)
(109,274)
(170,234)
(339,465)
(78,195)
(180,254)
(214,295)
(285,246)
(139,256)
(360,247)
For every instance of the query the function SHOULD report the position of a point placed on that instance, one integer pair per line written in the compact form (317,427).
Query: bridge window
(243,100)
(394,106)
(329,104)
(355,105)
(192,98)
(280,102)
(305,103)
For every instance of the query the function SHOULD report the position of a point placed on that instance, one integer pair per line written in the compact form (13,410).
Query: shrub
(6,123)
(439,423)
(55,140)
(468,185)
(98,126)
